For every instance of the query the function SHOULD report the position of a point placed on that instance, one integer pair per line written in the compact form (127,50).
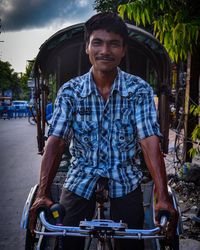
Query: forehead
(105,35)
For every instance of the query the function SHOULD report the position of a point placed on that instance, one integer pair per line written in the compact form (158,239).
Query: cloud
(25,14)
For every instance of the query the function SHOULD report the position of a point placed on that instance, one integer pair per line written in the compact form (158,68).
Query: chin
(107,69)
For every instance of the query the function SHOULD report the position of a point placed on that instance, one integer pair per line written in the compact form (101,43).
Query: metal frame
(63,56)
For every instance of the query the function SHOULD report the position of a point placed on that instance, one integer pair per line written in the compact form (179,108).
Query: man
(109,115)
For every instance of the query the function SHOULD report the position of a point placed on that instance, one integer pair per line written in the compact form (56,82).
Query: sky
(26,24)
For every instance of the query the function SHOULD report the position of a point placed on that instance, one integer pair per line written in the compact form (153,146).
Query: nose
(105,49)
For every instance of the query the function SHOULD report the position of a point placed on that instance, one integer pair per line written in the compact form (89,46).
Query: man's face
(105,50)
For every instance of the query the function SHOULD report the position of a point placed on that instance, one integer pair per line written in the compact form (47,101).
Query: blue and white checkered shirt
(104,134)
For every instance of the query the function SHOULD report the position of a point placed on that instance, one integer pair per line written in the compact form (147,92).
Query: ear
(86,48)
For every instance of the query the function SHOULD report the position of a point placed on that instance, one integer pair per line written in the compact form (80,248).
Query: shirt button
(103,157)
(104,133)
(130,94)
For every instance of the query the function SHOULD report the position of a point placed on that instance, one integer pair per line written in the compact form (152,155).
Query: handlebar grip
(163,217)
(58,213)
(45,209)
(162,213)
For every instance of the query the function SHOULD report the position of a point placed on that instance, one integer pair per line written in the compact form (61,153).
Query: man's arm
(155,163)
(50,162)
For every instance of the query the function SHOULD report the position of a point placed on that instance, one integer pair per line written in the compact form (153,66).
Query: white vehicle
(20,104)
(20,108)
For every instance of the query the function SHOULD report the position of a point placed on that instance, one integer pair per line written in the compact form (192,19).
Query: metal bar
(77,231)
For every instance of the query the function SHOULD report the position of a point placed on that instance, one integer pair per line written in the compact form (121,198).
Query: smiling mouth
(106,59)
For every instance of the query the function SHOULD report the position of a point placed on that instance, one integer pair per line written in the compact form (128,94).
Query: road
(19,171)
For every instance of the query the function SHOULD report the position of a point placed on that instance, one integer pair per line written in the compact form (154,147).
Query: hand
(38,203)
(172,225)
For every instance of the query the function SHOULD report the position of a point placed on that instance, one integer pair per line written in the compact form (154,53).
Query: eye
(96,42)
(115,44)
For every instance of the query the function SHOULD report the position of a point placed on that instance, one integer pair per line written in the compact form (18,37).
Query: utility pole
(1,41)
(0,29)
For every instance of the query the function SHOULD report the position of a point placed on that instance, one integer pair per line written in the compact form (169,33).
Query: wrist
(42,192)
(162,194)
(163,197)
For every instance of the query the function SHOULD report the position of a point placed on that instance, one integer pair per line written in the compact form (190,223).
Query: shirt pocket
(85,134)
(123,133)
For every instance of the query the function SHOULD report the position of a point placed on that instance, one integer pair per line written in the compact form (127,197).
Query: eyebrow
(110,41)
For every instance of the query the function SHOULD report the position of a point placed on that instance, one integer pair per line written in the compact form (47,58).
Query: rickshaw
(61,58)
(6,109)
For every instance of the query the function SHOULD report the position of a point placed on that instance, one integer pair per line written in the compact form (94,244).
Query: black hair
(108,21)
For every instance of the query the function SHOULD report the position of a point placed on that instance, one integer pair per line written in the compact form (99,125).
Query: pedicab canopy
(63,57)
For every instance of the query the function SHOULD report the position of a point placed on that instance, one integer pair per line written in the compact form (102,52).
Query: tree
(107,5)
(9,79)
(25,90)
(176,24)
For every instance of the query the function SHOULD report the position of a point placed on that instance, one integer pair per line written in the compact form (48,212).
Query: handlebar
(102,228)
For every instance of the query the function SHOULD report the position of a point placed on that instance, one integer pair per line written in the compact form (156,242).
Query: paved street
(19,171)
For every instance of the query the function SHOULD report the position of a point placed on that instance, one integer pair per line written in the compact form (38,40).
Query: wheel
(32,115)
(31,241)
(180,148)
(180,140)
(165,244)
(41,242)
(169,245)
(101,245)
(31,120)
(35,241)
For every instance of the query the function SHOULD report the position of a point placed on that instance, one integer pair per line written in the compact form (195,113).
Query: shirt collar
(119,85)
(89,85)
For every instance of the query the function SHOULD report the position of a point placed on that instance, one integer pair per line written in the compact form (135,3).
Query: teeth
(106,59)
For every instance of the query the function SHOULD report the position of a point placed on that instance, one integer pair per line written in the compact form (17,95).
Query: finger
(32,225)
(33,212)
(172,226)
(32,221)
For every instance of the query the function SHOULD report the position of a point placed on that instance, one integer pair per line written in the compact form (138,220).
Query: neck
(104,81)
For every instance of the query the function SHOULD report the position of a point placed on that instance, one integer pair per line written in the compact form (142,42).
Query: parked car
(20,104)
(20,108)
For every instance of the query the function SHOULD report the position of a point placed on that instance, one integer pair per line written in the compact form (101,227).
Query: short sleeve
(146,116)
(62,115)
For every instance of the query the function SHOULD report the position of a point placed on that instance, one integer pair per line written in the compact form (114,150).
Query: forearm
(155,163)
(50,163)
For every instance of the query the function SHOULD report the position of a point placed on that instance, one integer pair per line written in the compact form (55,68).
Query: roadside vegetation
(16,82)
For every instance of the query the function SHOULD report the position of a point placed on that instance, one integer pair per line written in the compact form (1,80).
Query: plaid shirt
(104,134)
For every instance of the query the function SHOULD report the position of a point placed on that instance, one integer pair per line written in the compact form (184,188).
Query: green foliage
(107,5)
(13,81)
(52,88)
(9,79)
(195,110)
(184,169)
(176,23)
(25,91)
